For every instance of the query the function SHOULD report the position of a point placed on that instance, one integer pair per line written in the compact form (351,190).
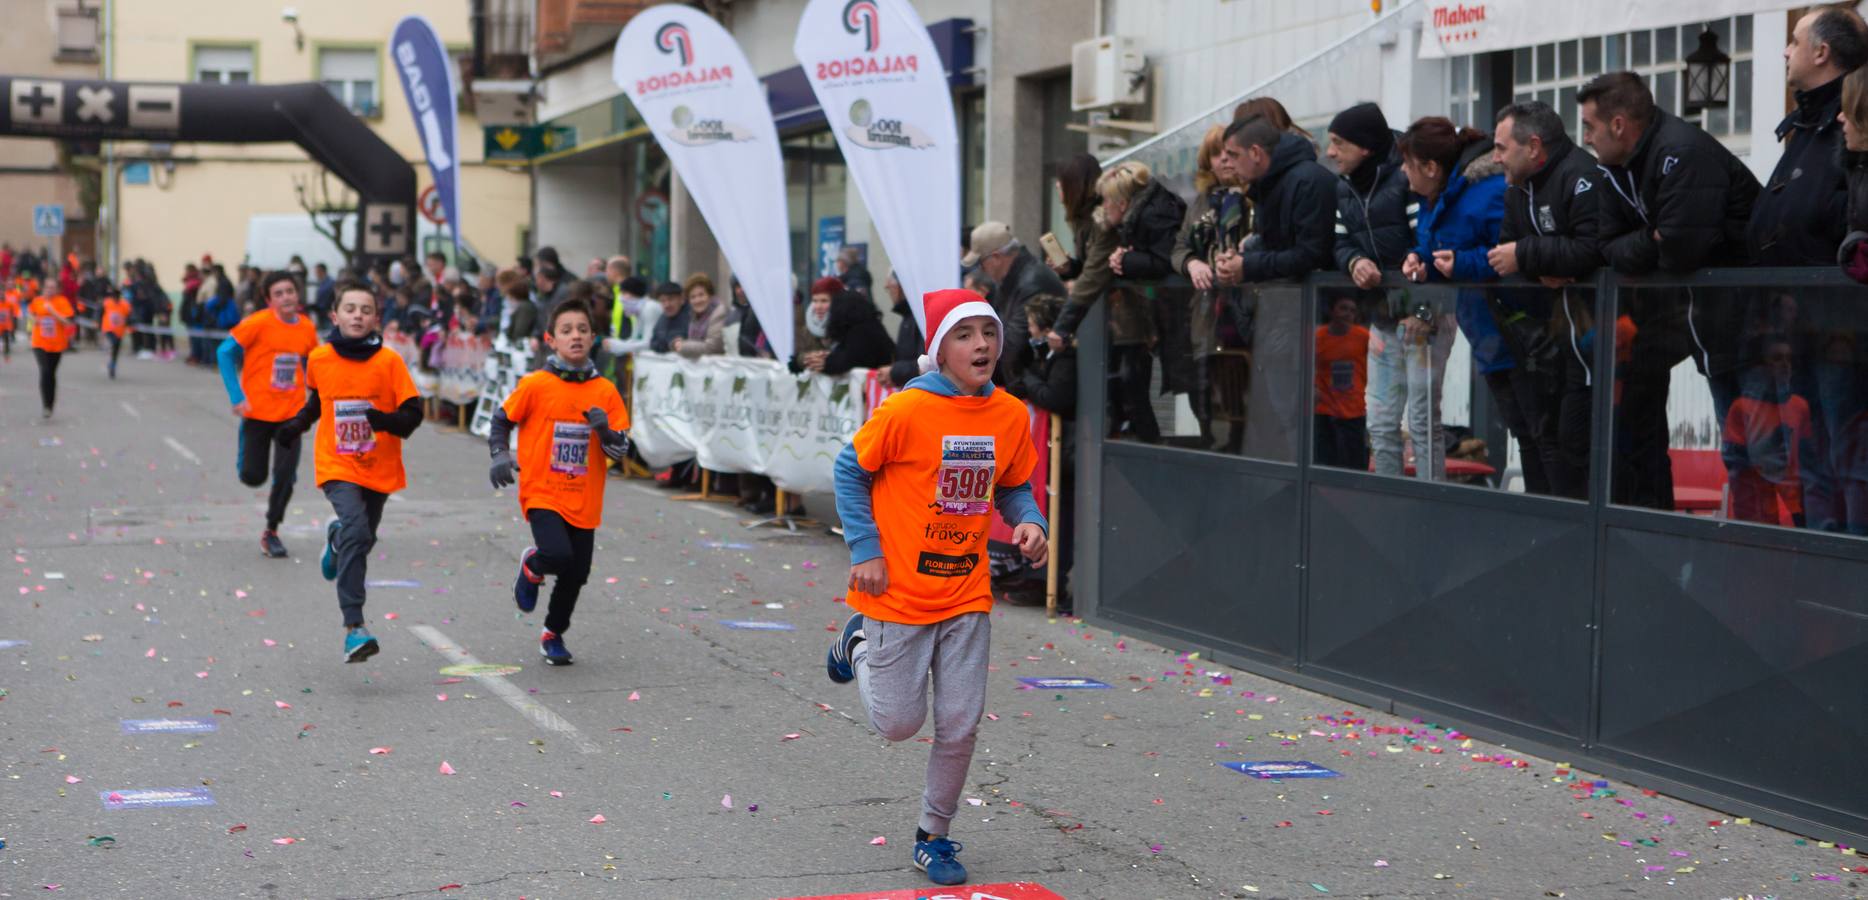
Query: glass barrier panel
(1483,385)
(1744,403)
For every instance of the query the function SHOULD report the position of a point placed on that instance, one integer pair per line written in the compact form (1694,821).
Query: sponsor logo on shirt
(941,565)
(947,534)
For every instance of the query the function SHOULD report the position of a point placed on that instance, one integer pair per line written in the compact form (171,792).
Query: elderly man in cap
(1016,277)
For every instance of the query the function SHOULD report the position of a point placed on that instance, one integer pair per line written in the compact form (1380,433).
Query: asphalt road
(137,587)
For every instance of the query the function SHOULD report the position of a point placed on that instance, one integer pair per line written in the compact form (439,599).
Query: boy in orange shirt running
(362,392)
(915,489)
(52,320)
(262,366)
(116,324)
(564,411)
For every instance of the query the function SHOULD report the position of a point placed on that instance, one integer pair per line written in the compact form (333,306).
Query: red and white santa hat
(942,310)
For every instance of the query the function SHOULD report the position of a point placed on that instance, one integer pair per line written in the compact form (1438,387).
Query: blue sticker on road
(761,626)
(1281,769)
(155,798)
(8,645)
(169,726)
(1064,684)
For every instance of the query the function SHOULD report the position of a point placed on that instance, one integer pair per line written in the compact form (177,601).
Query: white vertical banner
(881,85)
(699,97)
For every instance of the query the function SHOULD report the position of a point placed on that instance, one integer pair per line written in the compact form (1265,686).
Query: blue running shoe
(524,589)
(552,648)
(936,856)
(359,645)
(837,662)
(328,562)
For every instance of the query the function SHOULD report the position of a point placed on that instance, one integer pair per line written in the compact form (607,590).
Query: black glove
(504,467)
(288,433)
(597,418)
(379,420)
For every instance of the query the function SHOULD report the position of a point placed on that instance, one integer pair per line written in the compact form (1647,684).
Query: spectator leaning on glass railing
(1216,222)
(1016,276)
(1462,194)
(1676,200)
(1549,234)
(1293,200)
(1800,215)
(1375,218)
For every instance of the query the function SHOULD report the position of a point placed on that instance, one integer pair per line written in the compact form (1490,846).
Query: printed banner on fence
(704,104)
(744,415)
(462,363)
(429,82)
(881,85)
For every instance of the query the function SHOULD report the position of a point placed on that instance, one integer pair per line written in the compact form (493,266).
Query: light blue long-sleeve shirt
(856,505)
(232,356)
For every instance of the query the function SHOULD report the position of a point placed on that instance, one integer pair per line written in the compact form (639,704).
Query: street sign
(429,205)
(48,220)
(520,143)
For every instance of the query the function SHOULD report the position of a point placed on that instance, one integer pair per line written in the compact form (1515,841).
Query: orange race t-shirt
(117,317)
(47,333)
(274,360)
(937,461)
(560,461)
(1343,372)
(347,448)
(9,311)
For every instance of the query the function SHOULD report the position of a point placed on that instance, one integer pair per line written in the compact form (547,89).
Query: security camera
(290,15)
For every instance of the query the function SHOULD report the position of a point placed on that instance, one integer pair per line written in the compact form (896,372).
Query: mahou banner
(707,110)
(881,85)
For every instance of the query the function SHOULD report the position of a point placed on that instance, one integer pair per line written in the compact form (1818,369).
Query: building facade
(174,202)
(51,39)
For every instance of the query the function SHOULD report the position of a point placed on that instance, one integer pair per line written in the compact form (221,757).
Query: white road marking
(131,410)
(505,690)
(181,450)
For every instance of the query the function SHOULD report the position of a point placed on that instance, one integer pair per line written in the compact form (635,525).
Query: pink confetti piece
(635,695)
(442,697)
(391,616)
(285,840)
(598,819)
(269,642)
(151,654)
(282,704)
(72,779)
(240,594)
(609,581)
(379,751)
(878,841)
(790,737)
(446,769)
(51,887)
(1381,864)
(201,674)
(516,803)
(558,794)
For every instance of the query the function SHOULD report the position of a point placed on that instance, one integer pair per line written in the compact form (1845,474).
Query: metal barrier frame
(1668,752)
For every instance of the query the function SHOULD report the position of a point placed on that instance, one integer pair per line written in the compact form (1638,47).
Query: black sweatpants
(359,512)
(1530,415)
(1341,443)
(563,551)
(48,376)
(6,341)
(116,346)
(256,445)
(1133,366)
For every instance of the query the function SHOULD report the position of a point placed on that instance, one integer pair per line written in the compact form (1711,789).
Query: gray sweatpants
(359,512)
(894,665)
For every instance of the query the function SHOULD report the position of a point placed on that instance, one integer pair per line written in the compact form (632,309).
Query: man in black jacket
(1801,217)
(1294,202)
(1375,215)
(1016,277)
(1549,234)
(1676,200)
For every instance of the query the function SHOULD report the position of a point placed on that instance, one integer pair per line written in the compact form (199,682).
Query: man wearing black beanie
(1374,230)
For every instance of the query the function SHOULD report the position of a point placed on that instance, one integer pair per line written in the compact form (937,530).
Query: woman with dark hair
(1462,190)
(853,335)
(1076,190)
(1271,109)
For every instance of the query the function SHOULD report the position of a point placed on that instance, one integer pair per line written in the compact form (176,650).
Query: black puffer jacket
(856,335)
(1295,206)
(1554,218)
(1683,183)
(1801,216)
(1375,214)
(1027,278)
(1148,229)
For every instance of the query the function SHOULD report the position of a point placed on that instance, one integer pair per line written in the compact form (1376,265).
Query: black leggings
(6,341)
(116,347)
(48,376)
(256,447)
(563,551)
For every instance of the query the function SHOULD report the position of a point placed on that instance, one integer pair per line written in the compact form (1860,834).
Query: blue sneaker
(359,645)
(328,562)
(524,589)
(552,648)
(843,651)
(936,856)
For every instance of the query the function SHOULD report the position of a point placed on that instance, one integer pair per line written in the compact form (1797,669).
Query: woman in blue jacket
(1463,188)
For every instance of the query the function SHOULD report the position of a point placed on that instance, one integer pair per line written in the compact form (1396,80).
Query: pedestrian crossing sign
(48,220)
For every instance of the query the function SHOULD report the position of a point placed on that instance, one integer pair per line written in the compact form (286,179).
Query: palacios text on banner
(430,84)
(699,97)
(881,85)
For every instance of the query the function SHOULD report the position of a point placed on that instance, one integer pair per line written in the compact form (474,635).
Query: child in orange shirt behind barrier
(362,392)
(915,490)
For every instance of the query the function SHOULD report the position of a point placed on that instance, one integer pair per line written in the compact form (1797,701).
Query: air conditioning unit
(1107,71)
